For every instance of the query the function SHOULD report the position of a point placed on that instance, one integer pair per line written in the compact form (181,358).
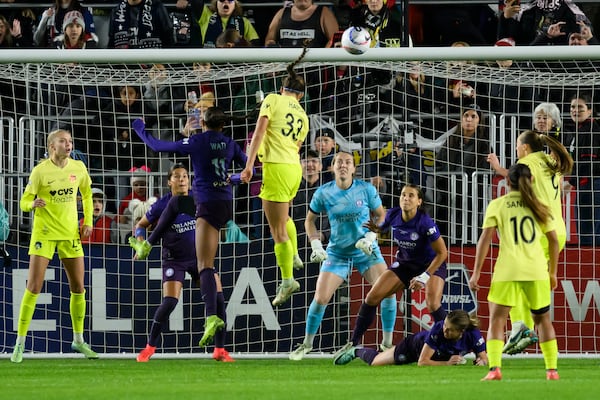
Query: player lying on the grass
(521,269)
(212,154)
(421,253)
(445,344)
(349,203)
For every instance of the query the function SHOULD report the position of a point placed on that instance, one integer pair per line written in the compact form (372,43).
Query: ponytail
(519,176)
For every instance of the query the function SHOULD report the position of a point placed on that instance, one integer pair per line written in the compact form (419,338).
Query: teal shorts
(342,265)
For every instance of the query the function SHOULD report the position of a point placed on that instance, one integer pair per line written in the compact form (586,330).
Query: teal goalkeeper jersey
(59,187)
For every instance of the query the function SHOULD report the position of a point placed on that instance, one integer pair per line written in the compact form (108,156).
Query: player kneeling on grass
(445,344)
(520,219)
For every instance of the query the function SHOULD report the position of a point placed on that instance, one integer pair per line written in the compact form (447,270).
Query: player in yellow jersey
(280,130)
(52,195)
(521,269)
(548,171)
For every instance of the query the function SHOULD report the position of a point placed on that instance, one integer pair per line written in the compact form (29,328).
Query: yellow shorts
(46,248)
(508,293)
(280,182)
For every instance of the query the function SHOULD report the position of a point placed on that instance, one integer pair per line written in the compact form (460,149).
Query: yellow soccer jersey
(546,184)
(288,125)
(521,256)
(58,220)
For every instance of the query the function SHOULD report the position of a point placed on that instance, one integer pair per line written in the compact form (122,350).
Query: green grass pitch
(73,378)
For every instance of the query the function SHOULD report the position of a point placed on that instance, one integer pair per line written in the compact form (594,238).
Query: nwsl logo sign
(457,295)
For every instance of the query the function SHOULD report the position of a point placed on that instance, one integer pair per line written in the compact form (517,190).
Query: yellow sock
(284,254)
(550,352)
(77,308)
(26,312)
(494,351)
(521,312)
(290,227)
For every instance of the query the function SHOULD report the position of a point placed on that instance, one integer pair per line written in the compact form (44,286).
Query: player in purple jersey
(173,219)
(445,344)
(212,155)
(421,253)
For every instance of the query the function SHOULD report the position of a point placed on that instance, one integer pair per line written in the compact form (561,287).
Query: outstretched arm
(139,126)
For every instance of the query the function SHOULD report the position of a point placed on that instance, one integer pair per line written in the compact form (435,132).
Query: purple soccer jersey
(470,341)
(177,228)
(212,155)
(413,237)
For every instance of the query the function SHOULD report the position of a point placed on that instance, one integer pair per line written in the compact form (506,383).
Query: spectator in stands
(311,181)
(446,343)
(325,146)
(104,228)
(300,21)
(73,34)
(465,151)
(140,24)
(52,24)
(193,123)
(582,134)
(547,120)
(349,204)
(11,35)
(584,37)
(540,22)
(20,24)
(383,23)
(221,15)
(139,190)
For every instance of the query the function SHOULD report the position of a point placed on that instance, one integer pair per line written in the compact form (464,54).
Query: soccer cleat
(513,339)
(383,347)
(220,354)
(344,355)
(552,375)
(84,349)
(145,354)
(285,292)
(17,354)
(494,374)
(211,326)
(300,352)
(528,337)
(298,263)
(142,249)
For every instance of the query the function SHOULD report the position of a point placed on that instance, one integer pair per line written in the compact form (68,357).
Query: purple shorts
(407,271)
(217,213)
(175,270)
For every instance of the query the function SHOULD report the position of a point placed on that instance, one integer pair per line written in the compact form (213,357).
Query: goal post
(393,109)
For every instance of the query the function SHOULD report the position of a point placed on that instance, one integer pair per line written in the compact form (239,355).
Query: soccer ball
(356,40)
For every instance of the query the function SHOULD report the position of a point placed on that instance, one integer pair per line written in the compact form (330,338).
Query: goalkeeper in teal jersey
(52,195)
(350,204)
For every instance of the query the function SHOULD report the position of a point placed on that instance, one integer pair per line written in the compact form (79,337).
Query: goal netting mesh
(394,116)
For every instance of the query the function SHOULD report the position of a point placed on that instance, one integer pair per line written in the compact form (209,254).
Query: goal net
(394,112)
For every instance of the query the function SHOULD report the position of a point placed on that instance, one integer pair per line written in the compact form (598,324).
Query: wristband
(423,278)
(140,232)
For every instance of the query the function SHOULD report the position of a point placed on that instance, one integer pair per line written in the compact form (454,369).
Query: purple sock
(367,355)
(439,314)
(220,335)
(366,315)
(161,315)
(208,287)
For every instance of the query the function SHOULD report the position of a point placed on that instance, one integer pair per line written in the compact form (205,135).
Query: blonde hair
(52,136)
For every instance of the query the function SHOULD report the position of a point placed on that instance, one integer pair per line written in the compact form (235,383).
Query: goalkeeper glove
(318,253)
(142,248)
(365,244)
